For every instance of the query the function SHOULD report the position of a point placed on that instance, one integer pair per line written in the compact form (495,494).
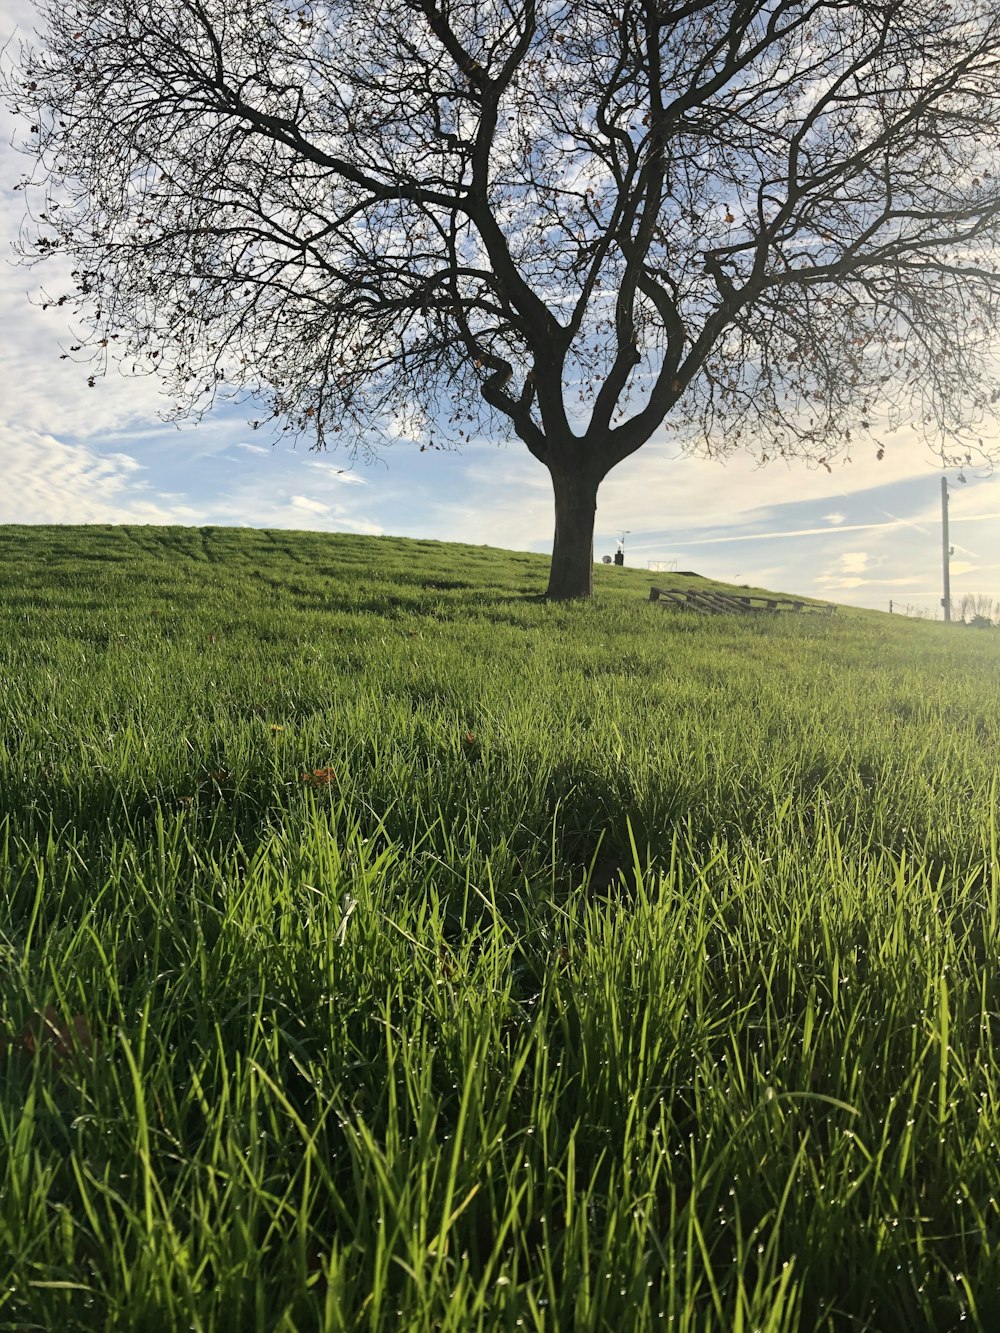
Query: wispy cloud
(854,562)
(310,506)
(345,476)
(47,480)
(918,527)
(789,533)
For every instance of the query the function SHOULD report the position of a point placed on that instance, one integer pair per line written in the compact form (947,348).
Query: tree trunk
(572,571)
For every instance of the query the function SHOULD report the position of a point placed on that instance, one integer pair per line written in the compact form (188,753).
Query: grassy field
(384,948)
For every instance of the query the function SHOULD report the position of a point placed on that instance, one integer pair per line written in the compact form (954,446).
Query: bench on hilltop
(715,600)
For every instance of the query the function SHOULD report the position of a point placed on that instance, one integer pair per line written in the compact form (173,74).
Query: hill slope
(383,947)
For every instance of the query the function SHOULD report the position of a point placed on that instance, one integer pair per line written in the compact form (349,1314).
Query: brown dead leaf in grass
(470,747)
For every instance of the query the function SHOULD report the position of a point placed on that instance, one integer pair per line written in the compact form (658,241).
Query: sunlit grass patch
(381,947)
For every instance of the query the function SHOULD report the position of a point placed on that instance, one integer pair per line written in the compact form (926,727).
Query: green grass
(635,969)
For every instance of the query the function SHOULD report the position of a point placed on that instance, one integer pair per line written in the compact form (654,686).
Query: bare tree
(978,609)
(768,224)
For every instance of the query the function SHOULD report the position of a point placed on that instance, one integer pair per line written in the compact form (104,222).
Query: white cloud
(835,582)
(783,534)
(978,518)
(847,571)
(486,496)
(40,389)
(407,423)
(345,476)
(835,518)
(854,562)
(655,490)
(47,480)
(310,506)
(19,15)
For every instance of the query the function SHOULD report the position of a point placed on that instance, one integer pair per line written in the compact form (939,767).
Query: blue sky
(867,533)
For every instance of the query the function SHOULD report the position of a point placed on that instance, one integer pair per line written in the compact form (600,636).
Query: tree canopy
(762,224)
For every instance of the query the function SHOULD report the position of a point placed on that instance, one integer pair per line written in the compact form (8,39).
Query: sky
(867,534)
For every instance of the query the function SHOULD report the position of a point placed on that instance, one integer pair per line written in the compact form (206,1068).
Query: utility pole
(945,550)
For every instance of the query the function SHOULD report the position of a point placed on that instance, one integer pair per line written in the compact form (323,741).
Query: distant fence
(662,566)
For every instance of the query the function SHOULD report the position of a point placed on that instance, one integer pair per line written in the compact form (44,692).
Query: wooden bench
(718,601)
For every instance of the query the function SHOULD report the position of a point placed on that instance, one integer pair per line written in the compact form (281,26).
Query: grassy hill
(384,948)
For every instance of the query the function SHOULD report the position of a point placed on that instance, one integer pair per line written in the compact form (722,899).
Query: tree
(978,609)
(769,224)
